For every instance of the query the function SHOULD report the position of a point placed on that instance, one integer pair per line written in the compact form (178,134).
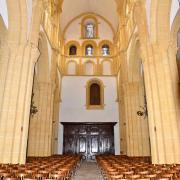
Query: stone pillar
(15,104)
(56,121)
(136,127)
(122,123)
(162,93)
(41,130)
(4,56)
(33,121)
(122,110)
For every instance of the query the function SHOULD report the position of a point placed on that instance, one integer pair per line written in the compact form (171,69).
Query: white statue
(89,50)
(89,31)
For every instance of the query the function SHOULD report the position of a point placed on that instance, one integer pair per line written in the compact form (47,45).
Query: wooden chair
(10,178)
(135,176)
(5,175)
(21,176)
(115,177)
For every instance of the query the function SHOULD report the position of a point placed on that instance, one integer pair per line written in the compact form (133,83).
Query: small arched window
(178,51)
(105,50)
(72,50)
(95,94)
(89,50)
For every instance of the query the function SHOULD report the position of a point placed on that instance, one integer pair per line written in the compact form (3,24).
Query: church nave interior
(90,81)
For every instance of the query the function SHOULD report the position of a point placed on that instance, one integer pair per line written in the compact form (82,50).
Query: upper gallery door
(88,140)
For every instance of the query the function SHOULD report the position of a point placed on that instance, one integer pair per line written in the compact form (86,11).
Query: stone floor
(88,171)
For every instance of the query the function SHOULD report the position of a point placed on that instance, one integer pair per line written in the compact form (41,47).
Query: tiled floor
(88,171)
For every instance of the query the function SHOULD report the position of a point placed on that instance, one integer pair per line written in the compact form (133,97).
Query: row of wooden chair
(121,167)
(61,167)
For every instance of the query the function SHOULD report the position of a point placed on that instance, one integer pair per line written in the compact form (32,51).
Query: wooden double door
(88,139)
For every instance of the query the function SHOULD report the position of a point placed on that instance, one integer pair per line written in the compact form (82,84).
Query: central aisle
(88,171)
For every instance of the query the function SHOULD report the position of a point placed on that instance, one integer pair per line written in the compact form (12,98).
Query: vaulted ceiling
(105,8)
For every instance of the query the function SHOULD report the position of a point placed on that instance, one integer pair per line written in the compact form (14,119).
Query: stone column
(56,121)
(32,143)
(15,103)
(4,56)
(42,127)
(136,127)
(162,93)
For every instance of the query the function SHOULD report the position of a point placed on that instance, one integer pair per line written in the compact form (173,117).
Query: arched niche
(106,67)
(73,50)
(68,47)
(71,67)
(95,94)
(89,68)
(89,22)
(107,43)
(89,43)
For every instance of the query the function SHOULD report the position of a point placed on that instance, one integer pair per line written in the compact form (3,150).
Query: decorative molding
(88,85)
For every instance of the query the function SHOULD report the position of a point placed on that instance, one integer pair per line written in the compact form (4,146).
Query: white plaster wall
(73,105)
(174,10)
(4,12)
(89,68)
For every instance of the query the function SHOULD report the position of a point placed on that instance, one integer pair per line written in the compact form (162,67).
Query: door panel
(94,144)
(82,144)
(88,140)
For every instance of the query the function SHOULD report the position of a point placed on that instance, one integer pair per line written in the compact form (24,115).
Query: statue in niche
(105,50)
(89,50)
(89,31)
